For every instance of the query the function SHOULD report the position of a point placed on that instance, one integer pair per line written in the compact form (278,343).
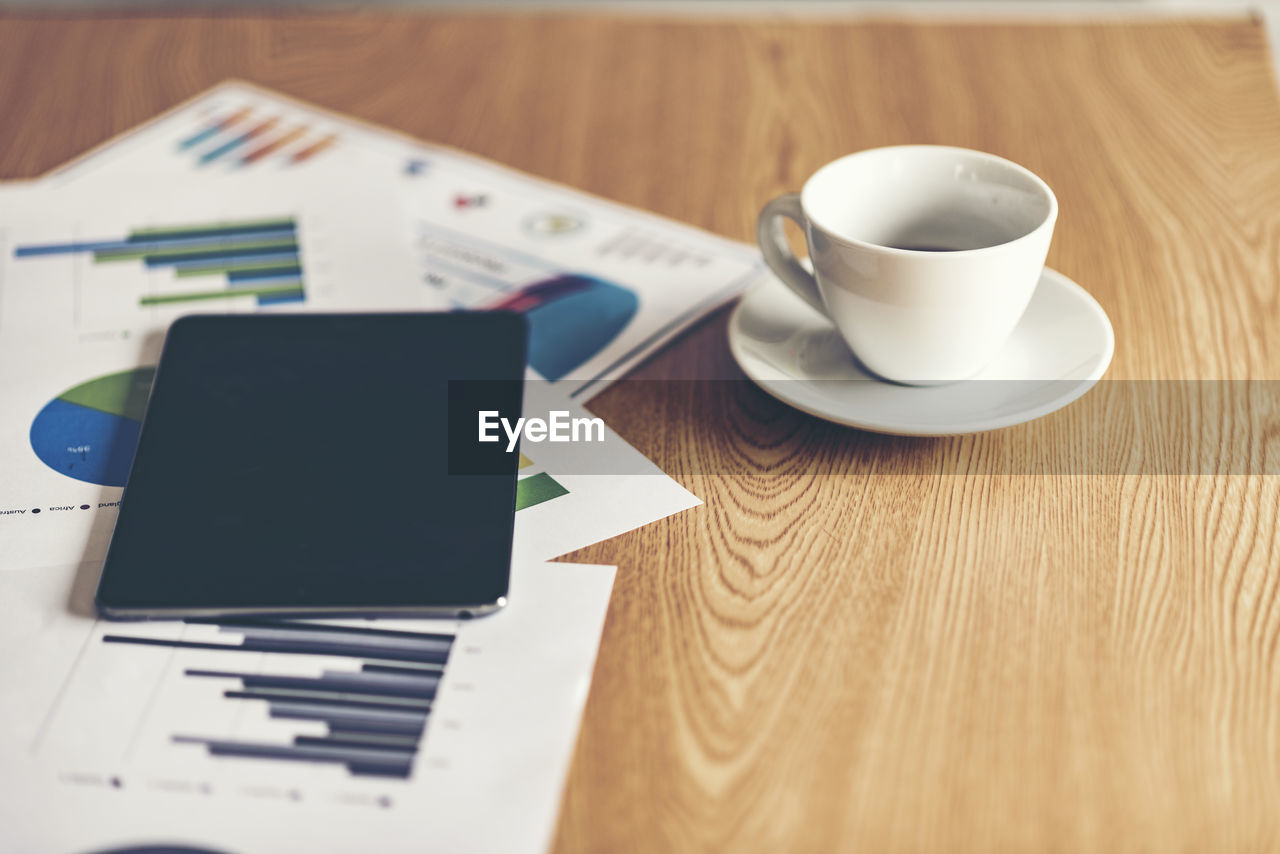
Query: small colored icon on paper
(463,202)
(552,224)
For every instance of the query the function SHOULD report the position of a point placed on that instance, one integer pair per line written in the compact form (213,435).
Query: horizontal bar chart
(374,716)
(255,258)
(244,136)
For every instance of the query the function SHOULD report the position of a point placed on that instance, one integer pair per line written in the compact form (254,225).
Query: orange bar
(274,145)
(314,149)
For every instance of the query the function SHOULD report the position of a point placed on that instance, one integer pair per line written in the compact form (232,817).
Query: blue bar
(201,136)
(242,278)
(211,257)
(214,154)
(404,670)
(202,239)
(268,627)
(364,761)
(280,299)
(151,243)
(335,681)
(363,720)
(331,699)
(391,657)
(66,248)
(367,741)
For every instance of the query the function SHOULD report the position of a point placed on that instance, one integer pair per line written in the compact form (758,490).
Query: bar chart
(265,734)
(243,136)
(374,716)
(247,258)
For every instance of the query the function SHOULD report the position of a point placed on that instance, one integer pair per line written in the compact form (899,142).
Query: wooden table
(863,654)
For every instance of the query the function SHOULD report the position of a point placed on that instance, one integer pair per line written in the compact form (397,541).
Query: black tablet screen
(301,463)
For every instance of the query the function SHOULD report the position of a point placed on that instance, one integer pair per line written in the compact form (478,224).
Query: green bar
(241,267)
(280,222)
(133,254)
(536,489)
(291,288)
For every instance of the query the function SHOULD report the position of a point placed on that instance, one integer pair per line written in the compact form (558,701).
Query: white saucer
(1061,347)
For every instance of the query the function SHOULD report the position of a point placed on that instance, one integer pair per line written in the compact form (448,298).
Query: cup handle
(777,252)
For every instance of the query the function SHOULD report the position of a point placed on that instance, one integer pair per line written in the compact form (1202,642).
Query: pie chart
(89,432)
(571,319)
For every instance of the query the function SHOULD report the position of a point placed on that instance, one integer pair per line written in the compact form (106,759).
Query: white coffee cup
(875,222)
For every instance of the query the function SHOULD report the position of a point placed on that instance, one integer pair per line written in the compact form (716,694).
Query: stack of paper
(367,736)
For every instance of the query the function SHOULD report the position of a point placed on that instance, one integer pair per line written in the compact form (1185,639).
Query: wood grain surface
(844,649)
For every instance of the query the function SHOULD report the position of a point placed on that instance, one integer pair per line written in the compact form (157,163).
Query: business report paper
(603,285)
(268,736)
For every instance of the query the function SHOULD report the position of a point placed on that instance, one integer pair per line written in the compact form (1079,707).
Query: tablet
(304,465)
